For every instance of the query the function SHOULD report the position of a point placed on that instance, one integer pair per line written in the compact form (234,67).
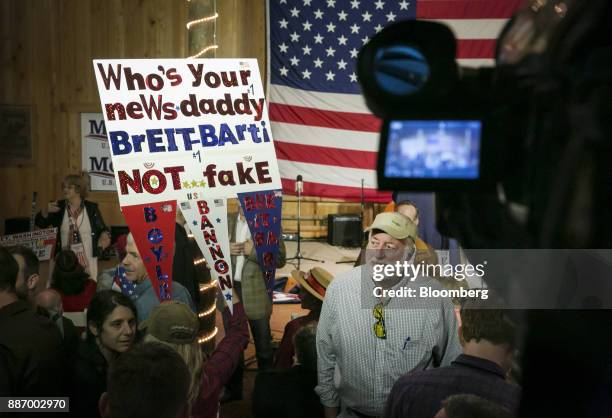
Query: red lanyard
(73,218)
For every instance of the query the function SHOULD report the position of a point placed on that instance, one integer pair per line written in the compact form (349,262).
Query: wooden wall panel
(46,53)
(241,31)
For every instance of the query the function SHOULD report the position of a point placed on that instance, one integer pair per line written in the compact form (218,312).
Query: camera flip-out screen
(431,154)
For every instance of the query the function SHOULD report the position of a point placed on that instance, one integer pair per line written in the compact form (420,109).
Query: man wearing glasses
(371,341)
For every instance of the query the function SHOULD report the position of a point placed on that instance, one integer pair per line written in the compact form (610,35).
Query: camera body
(444,127)
(543,178)
(505,142)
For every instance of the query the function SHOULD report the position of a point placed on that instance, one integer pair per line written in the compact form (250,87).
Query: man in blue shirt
(144,295)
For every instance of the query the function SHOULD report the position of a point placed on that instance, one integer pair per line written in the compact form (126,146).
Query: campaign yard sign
(95,153)
(41,242)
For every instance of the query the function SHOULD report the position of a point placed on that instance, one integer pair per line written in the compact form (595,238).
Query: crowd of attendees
(352,355)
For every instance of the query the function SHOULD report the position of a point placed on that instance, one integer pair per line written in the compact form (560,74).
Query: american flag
(127,287)
(322,128)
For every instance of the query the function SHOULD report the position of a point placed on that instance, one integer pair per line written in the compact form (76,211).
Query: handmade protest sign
(207,221)
(153,227)
(178,125)
(262,211)
(178,129)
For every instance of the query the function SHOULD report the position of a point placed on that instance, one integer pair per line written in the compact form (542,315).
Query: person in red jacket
(72,282)
(174,324)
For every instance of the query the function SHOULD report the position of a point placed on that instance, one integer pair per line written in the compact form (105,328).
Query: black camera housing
(447,93)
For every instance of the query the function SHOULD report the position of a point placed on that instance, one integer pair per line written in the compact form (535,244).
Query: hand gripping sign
(179,129)
(262,211)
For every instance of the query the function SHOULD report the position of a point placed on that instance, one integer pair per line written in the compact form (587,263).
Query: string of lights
(212,18)
(204,51)
(204,287)
(208,311)
(208,337)
(202,20)
(197,25)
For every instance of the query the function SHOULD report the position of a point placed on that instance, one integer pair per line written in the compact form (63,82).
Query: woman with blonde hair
(174,324)
(79,223)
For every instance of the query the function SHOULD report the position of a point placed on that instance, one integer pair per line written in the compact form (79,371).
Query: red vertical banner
(153,225)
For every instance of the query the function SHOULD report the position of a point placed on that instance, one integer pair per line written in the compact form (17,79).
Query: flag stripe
(325,155)
(475,63)
(475,48)
(352,103)
(324,137)
(338,192)
(474,28)
(466,9)
(319,100)
(316,117)
(334,175)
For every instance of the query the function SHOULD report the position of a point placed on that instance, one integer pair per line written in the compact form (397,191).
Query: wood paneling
(241,31)
(46,53)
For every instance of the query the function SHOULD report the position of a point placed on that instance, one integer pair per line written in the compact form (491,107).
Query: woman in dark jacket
(111,330)
(78,221)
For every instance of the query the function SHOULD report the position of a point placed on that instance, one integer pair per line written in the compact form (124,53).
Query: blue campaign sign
(262,211)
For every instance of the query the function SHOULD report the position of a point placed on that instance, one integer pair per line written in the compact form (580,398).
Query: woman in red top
(72,282)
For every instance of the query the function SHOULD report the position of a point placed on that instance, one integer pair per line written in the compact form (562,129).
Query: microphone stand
(298,253)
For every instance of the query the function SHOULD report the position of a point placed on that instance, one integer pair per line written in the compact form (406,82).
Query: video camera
(501,138)
(435,116)
(519,156)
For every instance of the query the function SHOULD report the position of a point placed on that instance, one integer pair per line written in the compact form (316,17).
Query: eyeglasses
(379,327)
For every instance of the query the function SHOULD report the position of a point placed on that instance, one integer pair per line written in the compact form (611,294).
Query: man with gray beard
(372,341)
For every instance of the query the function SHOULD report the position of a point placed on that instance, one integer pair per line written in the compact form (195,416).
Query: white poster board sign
(176,126)
(41,241)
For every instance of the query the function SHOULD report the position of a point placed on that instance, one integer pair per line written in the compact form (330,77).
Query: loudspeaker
(344,230)
(16,225)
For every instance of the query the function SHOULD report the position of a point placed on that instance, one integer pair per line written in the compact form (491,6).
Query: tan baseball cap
(394,224)
(172,322)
